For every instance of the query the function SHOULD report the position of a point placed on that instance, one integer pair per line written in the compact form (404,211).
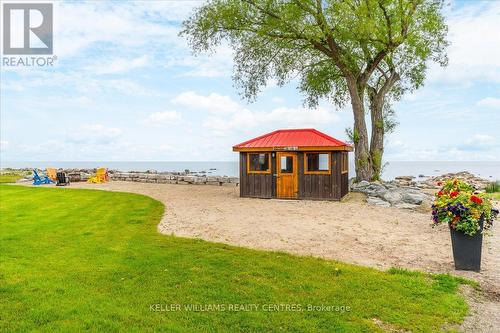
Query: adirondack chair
(101,176)
(51,173)
(37,180)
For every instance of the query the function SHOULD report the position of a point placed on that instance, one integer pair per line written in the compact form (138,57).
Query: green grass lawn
(73,260)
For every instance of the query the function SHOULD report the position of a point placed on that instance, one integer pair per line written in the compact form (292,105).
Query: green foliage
(389,116)
(86,260)
(362,161)
(493,187)
(353,135)
(322,42)
(377,164)
(349,134)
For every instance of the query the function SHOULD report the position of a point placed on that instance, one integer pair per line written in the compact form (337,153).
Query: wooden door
(287,185)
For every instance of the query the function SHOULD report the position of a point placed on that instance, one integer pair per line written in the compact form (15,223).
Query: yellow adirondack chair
(101,176)
(51,173)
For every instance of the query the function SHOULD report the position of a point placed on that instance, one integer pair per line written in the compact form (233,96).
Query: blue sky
(126,87)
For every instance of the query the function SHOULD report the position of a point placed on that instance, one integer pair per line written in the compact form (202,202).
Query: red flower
(453,194)
(439,183)
(476,200)
(440,193)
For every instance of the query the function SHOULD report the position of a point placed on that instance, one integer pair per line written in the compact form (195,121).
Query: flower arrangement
(461,206)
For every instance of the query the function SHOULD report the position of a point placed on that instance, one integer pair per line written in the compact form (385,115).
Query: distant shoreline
(486,169)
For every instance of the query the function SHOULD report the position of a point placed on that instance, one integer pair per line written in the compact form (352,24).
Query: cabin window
(286,164)
(259,163)
(345,163)
(317,163)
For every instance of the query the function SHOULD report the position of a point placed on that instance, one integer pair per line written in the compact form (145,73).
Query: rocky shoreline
(149,176)
(174,178)
(387,194)
(405,192)
(431,182)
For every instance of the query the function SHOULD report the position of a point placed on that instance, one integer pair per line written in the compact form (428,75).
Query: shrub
(493,187)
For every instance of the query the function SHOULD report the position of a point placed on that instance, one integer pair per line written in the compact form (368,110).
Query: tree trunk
(377,99)
(378,131)
(360,134)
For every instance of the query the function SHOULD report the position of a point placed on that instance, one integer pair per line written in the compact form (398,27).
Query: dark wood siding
(316,187)
(273,174)
(254,185)
(344,180)
(337,164)
(344,184)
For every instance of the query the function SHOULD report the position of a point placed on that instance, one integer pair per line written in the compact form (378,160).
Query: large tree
(367,52)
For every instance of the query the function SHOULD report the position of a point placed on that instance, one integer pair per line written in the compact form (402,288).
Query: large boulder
(392,197)
(377,202)
(361,184)
(413,198)
(373,190)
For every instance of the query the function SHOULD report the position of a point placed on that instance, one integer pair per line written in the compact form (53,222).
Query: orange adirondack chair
(51,173)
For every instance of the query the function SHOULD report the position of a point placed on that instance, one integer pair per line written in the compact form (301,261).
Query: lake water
(488,170)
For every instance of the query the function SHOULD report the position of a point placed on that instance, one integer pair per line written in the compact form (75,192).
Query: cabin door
(287,175)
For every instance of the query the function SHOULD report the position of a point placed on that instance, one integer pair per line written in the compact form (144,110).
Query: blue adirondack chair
(37,180)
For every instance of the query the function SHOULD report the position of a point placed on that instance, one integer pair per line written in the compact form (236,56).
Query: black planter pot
(467,249)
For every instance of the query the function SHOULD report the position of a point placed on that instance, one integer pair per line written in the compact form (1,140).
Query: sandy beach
(350,231)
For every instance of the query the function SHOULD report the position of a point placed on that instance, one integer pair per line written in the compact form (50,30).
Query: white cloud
(163,118)
(479,142)
(249,121)
(4,144)
(80,26)
(82,81)
(95,134)
(478,147)
(227,115)
(82,100)
(118,65)
(213,102)
(475,45)
(482,139)
(14,86)
(278,100)
(490,102)
(216,64)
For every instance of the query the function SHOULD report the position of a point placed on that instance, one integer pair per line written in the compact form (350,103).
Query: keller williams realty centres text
(280,307)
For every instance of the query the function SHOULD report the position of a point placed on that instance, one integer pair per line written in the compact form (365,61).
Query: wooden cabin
(294,164)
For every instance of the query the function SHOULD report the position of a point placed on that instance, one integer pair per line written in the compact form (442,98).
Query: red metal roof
(305,137)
